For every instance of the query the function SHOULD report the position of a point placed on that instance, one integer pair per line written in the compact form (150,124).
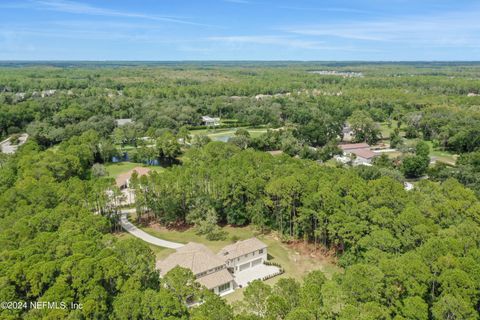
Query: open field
(442,156)
(218,134)
(439,155)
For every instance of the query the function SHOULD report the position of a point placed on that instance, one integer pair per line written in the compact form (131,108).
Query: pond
(223,138)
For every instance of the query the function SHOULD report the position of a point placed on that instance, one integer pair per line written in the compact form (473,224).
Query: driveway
(133,230)
(258,272)
(8,148)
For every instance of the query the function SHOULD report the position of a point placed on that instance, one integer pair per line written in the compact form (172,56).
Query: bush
(216,234)
(12,130)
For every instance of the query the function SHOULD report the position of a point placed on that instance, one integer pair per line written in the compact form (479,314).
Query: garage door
(256,262)
(244,266)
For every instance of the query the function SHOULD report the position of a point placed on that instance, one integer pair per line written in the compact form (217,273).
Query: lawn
(296,264)
(114,169)
(439,155)
(228,132)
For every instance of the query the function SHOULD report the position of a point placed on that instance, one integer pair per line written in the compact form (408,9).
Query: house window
(224,287)
(260,251)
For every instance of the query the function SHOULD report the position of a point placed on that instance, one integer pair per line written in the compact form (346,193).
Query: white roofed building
(209,121)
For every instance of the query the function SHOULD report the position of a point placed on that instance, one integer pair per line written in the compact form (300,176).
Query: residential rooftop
(241,248)
(349,146)
(194,256)
(215,279)
(122,178)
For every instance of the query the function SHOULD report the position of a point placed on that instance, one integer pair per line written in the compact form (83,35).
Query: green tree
(167,146)
(364,128)
(256,298)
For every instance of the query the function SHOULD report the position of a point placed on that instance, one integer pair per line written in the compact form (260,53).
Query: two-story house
(244,254)
(208,268)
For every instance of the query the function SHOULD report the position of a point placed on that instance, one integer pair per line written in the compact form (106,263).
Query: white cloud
(278,40)
(75,7)
(453,29)
(268,40)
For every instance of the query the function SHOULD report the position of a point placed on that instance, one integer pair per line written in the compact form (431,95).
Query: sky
(164,30)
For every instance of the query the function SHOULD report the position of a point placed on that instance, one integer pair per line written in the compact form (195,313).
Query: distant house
(408,186)
(123,179)
(208,121)
(244,254)
(359,153)
(347,133)
(122,122)
(234,266)
(208,268)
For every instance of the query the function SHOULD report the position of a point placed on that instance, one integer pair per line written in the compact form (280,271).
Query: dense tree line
(432,100)
(56,246)
(407,254)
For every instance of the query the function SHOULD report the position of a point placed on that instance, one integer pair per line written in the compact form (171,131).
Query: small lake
(223,138)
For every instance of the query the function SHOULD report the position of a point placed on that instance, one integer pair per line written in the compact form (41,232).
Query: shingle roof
(122,179)
(350,146)
(122,122)
(215,279)
(241,248)
(364,153)
(194,256)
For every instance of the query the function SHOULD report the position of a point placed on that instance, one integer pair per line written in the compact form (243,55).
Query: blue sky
(240,30)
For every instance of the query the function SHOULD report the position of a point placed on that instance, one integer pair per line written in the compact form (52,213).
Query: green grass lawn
(440,155)
(212,133)
(114,169)
(190,235)
(386,130)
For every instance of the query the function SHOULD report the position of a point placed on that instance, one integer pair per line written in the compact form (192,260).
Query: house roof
(350,146)
(364,153)
(241,248)
(122,122)
(122,178)
(215,279)
(207,118)
(193,256)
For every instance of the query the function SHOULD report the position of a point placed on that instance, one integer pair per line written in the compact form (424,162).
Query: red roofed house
(123,180)
(362,152)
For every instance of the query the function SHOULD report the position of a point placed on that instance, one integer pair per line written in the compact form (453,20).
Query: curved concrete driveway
(132,229)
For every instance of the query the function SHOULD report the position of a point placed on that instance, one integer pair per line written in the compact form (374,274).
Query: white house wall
(246,259)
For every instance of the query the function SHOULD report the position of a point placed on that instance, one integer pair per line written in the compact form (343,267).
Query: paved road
(132,229)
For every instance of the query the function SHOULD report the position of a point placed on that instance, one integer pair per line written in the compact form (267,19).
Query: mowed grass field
(215,133)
